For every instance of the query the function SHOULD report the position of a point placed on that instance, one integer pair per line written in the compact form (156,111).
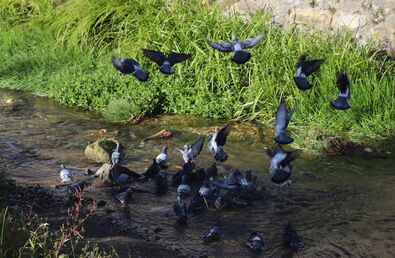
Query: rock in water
(101,151)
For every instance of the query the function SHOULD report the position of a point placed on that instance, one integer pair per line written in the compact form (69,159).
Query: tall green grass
(64,52)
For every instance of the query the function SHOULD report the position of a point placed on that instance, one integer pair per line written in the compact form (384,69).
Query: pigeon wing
(311,66)
(291,156)
(343,83)
(221,46)
(175,58)
(222,135)
(281,118)
(124,65)
(248,43)
(155,56)
(197,146)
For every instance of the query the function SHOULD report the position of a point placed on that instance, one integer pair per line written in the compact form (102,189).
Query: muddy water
(341,206)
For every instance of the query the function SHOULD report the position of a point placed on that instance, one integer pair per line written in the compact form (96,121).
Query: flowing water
(341,206)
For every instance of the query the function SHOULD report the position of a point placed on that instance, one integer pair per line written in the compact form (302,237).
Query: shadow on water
(341,206)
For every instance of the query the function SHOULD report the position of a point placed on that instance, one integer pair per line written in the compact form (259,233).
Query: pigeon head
(62,166)
(241,57)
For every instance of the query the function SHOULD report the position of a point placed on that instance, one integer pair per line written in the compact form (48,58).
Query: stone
(101,151)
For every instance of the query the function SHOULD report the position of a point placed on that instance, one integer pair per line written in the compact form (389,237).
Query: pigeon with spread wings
(166,63)
(129,66)
(303,69)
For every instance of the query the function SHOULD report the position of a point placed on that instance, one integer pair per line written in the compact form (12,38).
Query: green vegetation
(63,50)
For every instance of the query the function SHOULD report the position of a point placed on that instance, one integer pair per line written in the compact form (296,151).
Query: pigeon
(124,197)
(216,143)
(213,234)
(166,64)
(123,179)
(222,202)
(279,158)
(343,84)
(152,170)
(189,153)
(163,157)
(237,46)
(161,182)
(65,174)
(290,237)
(282,119)
(303,69)
(255,242)
(198,203)
(281,176)
(211,171)
(129,66)
(115,156)
(75,188)
(186,170)
(180,209)
(183,190)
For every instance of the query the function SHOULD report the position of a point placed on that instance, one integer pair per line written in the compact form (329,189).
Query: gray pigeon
(303,69)
(116,155)
(343,84)
(216,143)
(237,46)
(183,190)
(124,197)
(166,63)
(190,152)
(129,66)
(279,158)
(65,174)
(123,179)
(283,116)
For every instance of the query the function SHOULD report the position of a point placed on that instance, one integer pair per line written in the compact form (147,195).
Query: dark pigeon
(180,209)
(237,46)
(283,116)
(343,84)
(213,234)
(129,66)
(255,242)
(152,170)
(161,182)
(291,238)
(123,197)
(197,204)
(166,63)
(303,69)
(216,143)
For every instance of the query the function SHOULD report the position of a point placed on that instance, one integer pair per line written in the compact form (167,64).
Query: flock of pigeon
(203,188)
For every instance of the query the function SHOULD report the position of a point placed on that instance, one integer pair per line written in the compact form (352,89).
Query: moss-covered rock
(101,151)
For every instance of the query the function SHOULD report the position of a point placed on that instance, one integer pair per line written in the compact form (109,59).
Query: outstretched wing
(281,118)
(197,146)
(155,56)
(308,66)
(222,135)
(124,65)
(175,58)
(248,43)
(221,46)
(343,83)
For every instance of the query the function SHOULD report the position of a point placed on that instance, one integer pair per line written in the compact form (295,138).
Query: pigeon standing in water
(116,155)
(290,237)
(166,63)
(65,174)
(129,66)
(163,157)
(124,196)
(216,143)
(180,209)
(190,152)
(183,190)
(237,46)
(213,234)
(303,69)
(255,242)
(152,170)
(343,84)
(283,116)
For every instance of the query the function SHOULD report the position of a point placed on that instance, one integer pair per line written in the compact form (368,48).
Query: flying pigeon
(303,69)
(237,46)
(279,158)
(255,242)
(166,63)
(189,153)
(343,84)
(283,116)
(65,174)
(216,143)
(129,66)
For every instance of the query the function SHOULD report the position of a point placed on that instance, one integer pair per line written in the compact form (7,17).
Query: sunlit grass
(71,63)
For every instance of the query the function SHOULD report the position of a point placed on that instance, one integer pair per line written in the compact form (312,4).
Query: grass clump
(70,62)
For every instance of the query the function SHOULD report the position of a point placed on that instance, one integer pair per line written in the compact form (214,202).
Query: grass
(63,51)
